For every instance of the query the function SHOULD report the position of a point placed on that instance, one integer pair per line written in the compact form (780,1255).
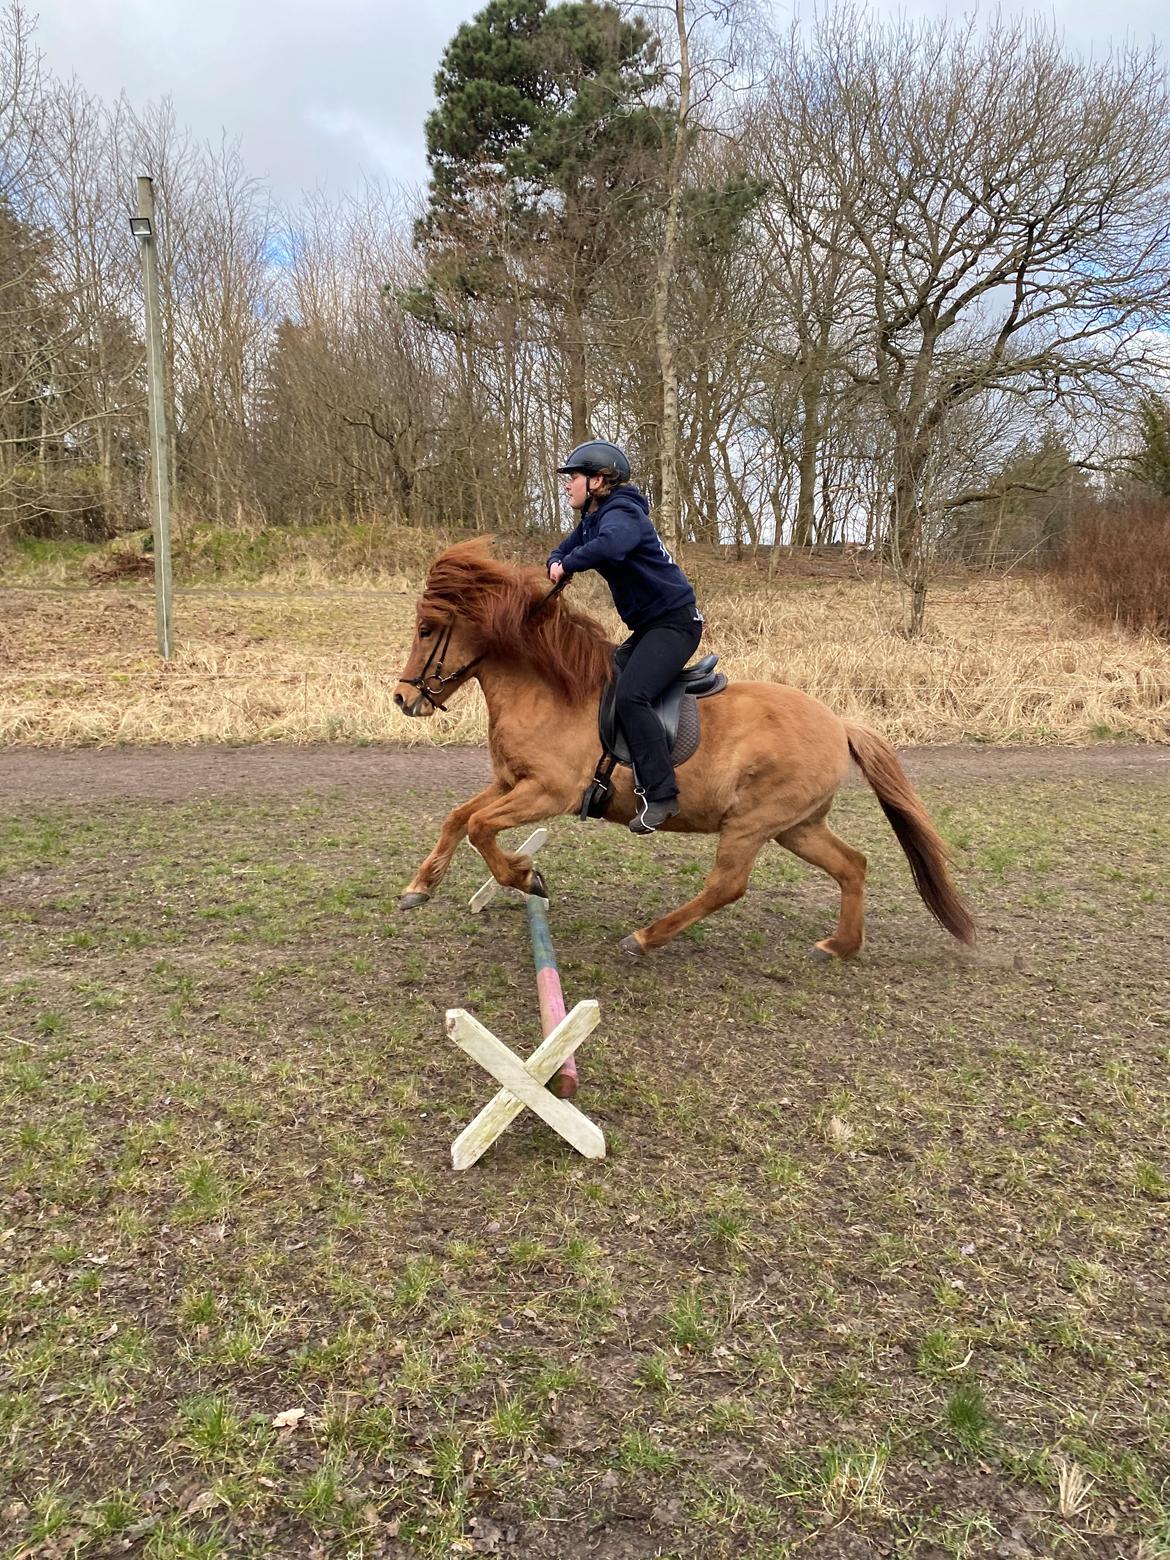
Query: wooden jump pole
(527,1083)
(548,989)
(548,980)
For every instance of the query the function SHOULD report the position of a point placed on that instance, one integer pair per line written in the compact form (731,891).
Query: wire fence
(1131,689)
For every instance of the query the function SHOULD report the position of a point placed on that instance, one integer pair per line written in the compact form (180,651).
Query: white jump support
(483,896)
(524,1082)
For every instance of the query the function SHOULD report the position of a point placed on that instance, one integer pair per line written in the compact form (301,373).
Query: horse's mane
(501,602)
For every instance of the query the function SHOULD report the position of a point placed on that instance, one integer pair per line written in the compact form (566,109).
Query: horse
(769,763)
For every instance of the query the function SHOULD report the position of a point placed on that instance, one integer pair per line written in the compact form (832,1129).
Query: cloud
(329,94)
(315,94)
(365,143)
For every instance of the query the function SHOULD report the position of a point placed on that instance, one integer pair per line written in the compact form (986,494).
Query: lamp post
(142,227)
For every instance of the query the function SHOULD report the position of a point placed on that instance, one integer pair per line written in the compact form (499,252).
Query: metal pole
(160,483)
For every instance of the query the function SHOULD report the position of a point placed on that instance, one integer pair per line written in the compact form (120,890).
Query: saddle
(678,714)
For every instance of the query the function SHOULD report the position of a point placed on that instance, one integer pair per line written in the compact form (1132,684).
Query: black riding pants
(649,661)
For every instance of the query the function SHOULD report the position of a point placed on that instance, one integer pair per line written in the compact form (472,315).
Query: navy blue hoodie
(619,540)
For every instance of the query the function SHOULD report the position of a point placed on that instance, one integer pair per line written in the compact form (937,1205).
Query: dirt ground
(174,774)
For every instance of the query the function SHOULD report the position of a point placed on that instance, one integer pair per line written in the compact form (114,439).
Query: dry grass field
(309,651)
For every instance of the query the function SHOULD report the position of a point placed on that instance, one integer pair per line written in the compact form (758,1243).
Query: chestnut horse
(769,763)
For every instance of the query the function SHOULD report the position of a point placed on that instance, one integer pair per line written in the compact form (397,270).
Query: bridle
(439,650)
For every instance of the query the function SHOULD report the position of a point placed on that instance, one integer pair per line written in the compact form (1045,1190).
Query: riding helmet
(597,458)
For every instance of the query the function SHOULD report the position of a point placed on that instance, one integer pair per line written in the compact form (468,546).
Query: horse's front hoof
(821,954)
(412,901)
(537,885)
(632,946)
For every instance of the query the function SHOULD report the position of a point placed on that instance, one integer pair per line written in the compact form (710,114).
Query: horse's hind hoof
(412,901)
(821,955)
(632,946)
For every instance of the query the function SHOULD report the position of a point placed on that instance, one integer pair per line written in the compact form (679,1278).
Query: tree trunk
(909,543)
(802,532)
(906,501)
(669,508)
(916,608)
(578,363)
(668,502)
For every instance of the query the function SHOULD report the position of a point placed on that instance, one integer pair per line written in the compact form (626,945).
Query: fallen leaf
(488,1535)
(201,1502)
(289,1420)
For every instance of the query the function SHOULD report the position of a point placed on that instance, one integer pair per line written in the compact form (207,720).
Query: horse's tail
(917,836)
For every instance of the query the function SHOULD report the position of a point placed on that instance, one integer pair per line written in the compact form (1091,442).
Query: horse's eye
(424,633)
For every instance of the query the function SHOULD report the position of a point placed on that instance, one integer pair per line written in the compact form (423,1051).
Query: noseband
(439,650)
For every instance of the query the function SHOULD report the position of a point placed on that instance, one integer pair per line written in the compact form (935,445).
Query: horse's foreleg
(529,801)
(726,882)
(432,871)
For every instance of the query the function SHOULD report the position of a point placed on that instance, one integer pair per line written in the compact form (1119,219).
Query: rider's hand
(556,572)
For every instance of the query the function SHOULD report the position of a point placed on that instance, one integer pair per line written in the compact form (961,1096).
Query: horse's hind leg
(813,841)
(726,882)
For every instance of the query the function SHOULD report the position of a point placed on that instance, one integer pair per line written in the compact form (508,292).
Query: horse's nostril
(400,701)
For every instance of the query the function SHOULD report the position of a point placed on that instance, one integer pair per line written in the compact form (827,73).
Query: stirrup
(652,815)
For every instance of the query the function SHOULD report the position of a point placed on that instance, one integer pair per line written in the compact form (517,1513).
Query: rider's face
(577,489)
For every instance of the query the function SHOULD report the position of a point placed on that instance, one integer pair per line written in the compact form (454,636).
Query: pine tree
(544,140)
(1152,464)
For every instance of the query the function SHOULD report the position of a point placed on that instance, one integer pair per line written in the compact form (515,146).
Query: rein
(439,650)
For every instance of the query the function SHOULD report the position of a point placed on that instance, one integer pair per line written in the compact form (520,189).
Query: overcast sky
(327,91)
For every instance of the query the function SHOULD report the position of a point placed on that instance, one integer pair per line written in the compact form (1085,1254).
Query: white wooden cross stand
(523,1082)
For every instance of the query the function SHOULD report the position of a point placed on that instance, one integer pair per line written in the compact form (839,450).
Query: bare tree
(1006,204)
(815,276)
(84,209)
(28,322)
(707,39)
(838,310)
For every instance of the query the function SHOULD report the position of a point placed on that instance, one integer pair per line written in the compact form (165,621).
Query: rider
(654,599)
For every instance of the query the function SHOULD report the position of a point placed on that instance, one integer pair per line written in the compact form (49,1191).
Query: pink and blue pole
(548,989)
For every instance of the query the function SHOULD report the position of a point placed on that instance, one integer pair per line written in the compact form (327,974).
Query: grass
(247,1309)
(301,639)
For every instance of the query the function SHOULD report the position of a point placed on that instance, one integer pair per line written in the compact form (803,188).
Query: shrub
(1115,563)
(68,502)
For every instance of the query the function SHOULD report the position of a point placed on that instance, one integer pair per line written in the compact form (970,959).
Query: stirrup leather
(599,791)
